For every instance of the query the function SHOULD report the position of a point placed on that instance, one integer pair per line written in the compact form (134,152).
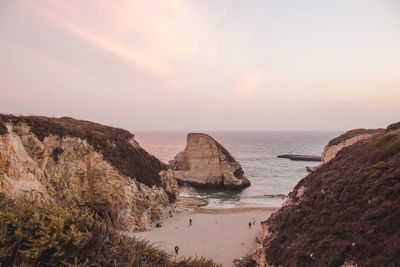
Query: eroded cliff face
(346,213)
(347,139)
(206,163)
(62,167)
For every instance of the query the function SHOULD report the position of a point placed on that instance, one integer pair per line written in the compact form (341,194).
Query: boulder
(206,163)
(312,168)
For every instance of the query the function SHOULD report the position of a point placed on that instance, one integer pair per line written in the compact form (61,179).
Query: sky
(203,65)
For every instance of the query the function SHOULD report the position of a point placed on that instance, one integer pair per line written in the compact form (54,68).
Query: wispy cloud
(132,31)
(135,57)
(161,59)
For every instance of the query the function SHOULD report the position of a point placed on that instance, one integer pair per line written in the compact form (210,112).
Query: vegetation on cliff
(353,133)
(346,211)
(113,143)
(49,235)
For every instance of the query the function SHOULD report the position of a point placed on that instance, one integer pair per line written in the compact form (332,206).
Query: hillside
(345,213)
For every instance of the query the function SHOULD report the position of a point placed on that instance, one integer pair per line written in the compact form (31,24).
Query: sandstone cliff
(84,164)
(347,139)
(346,213)
(206,163)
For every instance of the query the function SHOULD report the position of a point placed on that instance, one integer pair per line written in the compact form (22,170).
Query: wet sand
(220,234)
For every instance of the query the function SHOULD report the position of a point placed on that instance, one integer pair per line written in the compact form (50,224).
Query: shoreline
(219,234)
(239,209)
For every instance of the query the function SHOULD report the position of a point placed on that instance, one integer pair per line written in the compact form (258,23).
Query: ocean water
(271,178)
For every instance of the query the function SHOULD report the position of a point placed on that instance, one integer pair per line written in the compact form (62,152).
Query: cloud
(137,58)
(143,36)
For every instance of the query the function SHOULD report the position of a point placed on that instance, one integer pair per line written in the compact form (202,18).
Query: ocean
(271,178)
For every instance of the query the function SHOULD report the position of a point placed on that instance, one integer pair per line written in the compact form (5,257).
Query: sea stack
(206,163)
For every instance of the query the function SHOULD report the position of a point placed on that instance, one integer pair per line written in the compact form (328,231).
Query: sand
(220,234)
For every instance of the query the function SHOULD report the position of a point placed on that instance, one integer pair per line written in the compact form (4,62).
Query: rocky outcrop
(393,127)
(347,139)
(311,168)
(84,164)
(296,157)
(346,213)
(206,163)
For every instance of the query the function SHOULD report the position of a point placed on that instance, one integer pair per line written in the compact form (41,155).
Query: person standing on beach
(190,221)
(176,250)
(249,224)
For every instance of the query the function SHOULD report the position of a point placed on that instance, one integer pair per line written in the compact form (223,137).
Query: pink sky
(203,65)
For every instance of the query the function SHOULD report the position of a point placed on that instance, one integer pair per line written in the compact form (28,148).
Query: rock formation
(84,164)
(346,213)
(206,163)
(296,157)
(393,127)
(347,139)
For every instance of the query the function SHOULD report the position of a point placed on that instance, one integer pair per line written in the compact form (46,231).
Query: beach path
(220,234)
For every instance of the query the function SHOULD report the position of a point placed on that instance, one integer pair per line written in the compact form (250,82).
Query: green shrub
(30,234)
(49,235)
(388,138)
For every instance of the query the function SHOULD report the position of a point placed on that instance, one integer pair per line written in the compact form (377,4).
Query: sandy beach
(219,234)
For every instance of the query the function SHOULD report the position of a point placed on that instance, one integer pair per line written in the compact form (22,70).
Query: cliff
(206,163)
(82,164)
(346,213)
(347,139)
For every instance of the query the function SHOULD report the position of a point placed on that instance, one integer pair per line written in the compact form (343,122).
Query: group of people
(254,223)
